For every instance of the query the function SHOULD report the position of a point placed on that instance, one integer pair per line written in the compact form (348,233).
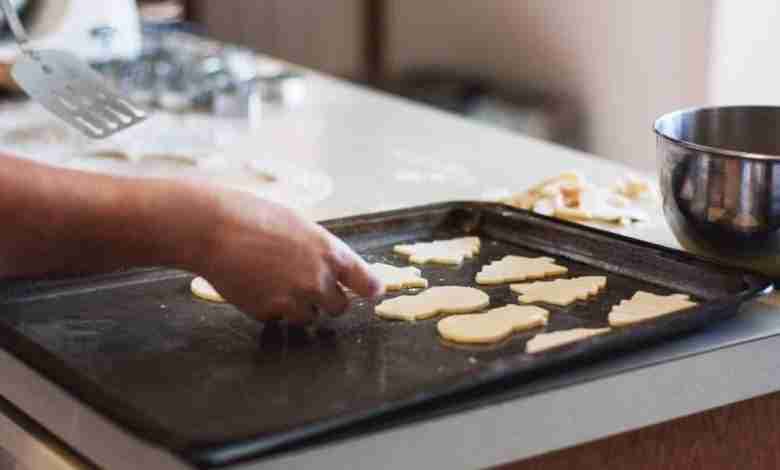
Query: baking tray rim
(751,277)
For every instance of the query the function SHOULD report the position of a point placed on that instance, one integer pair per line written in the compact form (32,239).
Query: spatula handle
(14,22)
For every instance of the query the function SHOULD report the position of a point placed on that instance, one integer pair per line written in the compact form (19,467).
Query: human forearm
(64,222)
(263,257)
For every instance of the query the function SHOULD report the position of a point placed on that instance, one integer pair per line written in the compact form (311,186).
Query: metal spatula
(68,87)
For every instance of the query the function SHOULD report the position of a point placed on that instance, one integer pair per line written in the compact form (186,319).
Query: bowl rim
(710,149)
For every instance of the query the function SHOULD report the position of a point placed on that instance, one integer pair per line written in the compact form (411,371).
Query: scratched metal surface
(214,386)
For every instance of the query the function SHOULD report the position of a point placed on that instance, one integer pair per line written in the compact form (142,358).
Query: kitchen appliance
(74,26)
(720,181)
(71,25)
(21,7)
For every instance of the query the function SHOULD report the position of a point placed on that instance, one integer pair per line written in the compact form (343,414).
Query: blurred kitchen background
(592,74)
(588,74)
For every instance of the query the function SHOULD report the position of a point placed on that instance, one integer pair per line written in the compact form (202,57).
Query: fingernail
(377,288)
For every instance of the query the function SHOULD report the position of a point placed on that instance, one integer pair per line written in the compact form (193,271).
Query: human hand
(272,264)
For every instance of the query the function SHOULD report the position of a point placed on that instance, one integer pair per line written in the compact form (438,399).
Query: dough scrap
(645,306)
(518,268)
(451,251)
(203,289)
(395,278)
(549,188)
(556,339)
(570,196)
(560,291)
(493,325)
(635,187)
(442,299)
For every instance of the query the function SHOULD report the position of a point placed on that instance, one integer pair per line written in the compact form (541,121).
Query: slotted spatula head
(69,88)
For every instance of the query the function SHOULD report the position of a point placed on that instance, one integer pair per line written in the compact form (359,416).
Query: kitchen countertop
(383,152)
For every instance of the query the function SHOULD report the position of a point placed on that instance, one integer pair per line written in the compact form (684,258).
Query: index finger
(354,273)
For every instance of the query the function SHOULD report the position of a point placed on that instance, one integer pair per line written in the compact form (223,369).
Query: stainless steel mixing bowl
(720,181)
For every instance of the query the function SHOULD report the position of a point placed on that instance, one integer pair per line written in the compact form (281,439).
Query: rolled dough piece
(560,291)
(645,306)
(634,187)
(203,289)
(572,213)
(395,278)
(442,299)
(548,188)
(571,197)
(493,325)
(518,268)
(556,339)
(451,251)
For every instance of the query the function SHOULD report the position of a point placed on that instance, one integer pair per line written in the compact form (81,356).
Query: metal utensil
(67,87)
(19,6)
(720,181)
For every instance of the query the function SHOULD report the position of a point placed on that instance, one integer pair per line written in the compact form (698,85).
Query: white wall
(746,53)
(327,36)
(624,61)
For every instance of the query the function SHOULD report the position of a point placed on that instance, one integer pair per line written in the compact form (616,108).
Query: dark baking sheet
(214,386)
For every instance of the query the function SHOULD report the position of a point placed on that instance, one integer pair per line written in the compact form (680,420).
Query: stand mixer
(71,25)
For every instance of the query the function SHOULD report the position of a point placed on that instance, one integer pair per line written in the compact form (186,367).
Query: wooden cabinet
(743,435)
(326,36)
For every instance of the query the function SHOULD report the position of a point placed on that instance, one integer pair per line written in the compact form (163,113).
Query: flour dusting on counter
(192,146)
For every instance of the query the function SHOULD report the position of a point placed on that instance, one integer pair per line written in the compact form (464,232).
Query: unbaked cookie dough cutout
(493,325)
(645,306)
(436,300)
(395,278)
(452,251)
(203,289)
(556,339)
(560,291)
(513,268)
